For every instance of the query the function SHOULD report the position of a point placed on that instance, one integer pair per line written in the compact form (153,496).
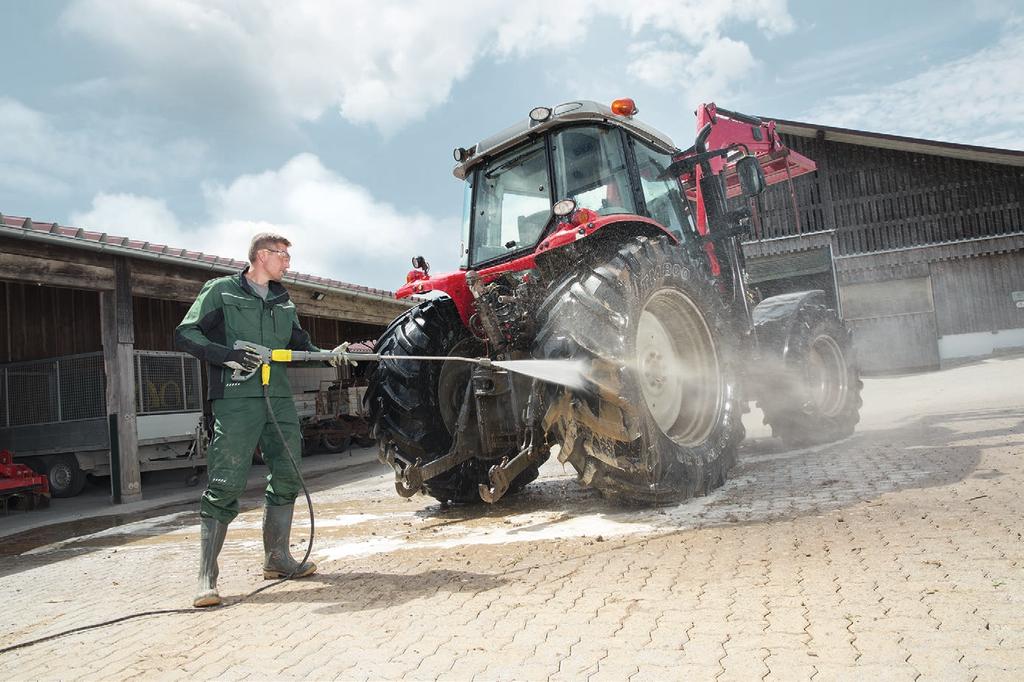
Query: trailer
(329,402)
(53,416)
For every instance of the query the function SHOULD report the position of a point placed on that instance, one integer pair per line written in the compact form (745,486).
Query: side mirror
(750,175)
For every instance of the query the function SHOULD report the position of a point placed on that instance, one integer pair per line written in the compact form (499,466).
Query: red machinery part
(18,478)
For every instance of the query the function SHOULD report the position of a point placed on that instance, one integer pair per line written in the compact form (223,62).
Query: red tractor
(590,236)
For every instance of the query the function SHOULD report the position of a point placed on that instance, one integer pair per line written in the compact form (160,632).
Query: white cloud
(657,67)
(131,215)
(707,75)
(695,21)
(384,65)
(336,227)
(42,158)
(976,99)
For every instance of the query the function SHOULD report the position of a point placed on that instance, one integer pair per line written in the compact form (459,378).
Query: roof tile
(12,223)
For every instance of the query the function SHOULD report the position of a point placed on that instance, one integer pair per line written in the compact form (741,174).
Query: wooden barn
(927,239)
(86,340)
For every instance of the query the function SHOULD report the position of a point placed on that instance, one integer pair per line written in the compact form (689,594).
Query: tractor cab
(607,163)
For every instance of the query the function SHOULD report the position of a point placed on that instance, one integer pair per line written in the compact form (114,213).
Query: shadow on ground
(771,482)
(768,483)
(349,592)
(156,520)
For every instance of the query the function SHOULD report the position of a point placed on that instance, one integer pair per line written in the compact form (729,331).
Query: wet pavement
(896,554)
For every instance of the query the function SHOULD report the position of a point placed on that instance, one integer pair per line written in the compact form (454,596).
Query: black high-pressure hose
(165,612)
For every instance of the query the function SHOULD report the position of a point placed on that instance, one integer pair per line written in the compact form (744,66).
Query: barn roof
(1009,157)
(76,237)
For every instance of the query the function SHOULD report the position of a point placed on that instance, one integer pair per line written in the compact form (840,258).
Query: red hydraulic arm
(741,135)
(729,129)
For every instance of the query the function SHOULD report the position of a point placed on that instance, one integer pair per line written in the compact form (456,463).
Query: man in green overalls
(250,306)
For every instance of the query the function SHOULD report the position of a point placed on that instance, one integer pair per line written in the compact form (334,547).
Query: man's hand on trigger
(243,360)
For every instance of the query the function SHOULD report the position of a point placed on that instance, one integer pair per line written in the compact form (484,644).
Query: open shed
(76,294)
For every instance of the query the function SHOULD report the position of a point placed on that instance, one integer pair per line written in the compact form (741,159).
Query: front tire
(818,400)
(663,420)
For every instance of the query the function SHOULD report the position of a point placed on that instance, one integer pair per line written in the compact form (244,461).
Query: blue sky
(197,122)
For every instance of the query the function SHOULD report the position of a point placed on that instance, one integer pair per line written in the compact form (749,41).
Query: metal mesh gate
(73,387)
(167,382)
(82,387)
(61,389)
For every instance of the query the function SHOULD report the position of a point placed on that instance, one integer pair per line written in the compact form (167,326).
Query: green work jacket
(228,310)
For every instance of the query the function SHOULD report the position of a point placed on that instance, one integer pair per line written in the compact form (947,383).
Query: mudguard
(775,319)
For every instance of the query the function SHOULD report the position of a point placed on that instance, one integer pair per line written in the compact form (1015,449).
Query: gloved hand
(340,358)
(243,360)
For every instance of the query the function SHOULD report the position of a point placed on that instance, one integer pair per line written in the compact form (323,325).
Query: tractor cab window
(590,165)
(662,196)
(513,204)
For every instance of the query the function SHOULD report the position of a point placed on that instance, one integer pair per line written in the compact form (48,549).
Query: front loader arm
(754,136)
(707,173)
(723,136)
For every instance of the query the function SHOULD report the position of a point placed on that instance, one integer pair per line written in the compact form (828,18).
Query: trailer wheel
(334,444)
(818,399)
(65,476)
(662,420)
(414,406)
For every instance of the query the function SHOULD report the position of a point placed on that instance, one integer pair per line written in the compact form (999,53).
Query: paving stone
(878,558)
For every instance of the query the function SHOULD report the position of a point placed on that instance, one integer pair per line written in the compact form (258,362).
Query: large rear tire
(663,420)
(818,399)
(414,406)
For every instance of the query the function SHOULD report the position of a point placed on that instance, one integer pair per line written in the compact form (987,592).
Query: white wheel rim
(827,376)
(677,368)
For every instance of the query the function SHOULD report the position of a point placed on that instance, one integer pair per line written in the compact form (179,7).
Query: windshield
(513,204)
(591,168)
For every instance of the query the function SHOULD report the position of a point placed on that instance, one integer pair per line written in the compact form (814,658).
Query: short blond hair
(265,240)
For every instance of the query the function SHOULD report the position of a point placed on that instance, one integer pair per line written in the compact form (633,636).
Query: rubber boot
(211,539)
(278,561)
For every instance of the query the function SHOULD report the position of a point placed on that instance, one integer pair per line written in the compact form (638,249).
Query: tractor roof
(581,111)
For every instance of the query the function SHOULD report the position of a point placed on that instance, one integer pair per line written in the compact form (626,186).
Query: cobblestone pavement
(896,554)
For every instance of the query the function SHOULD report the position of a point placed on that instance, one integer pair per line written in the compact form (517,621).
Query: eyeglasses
(282,254)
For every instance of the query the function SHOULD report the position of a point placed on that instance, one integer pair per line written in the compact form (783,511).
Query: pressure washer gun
(570,373)
(268,355)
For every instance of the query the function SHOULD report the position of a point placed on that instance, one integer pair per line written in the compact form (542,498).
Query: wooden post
(118,330)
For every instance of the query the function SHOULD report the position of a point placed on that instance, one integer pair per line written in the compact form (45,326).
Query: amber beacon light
(624,107)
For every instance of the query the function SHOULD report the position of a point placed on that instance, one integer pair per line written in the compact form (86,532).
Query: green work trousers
(239,425)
